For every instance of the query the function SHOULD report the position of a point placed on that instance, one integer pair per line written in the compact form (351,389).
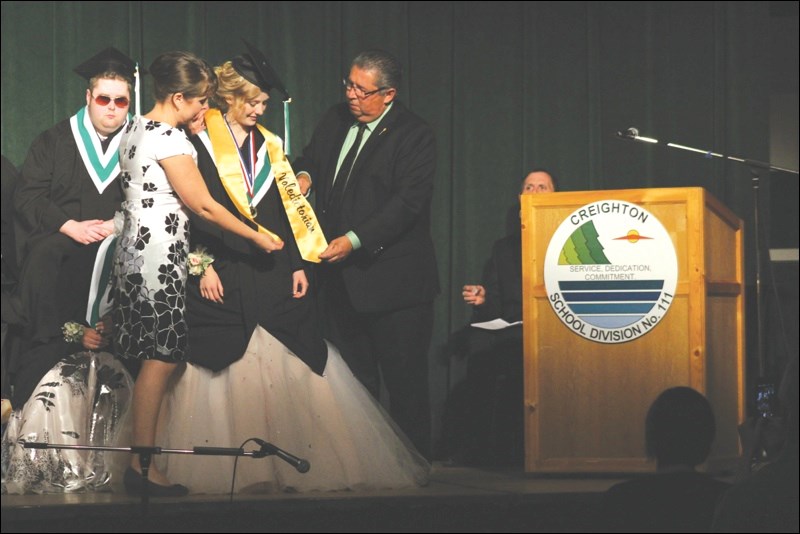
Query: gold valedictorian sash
(305,225)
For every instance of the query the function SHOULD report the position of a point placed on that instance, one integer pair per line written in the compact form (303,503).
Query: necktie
(343,175)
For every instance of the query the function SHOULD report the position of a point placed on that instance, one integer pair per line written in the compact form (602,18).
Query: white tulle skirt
(332,421)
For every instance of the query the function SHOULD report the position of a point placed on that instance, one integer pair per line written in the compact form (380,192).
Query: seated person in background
(679,431)
(67,195)
(493,391)
(81,399)
(64,203)
(500,295)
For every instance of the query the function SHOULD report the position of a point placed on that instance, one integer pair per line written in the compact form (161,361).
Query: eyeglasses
(359,92)
(104,100)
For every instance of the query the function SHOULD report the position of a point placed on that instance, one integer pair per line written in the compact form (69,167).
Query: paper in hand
(495,324)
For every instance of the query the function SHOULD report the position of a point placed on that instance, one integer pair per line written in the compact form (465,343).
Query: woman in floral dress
(161,181)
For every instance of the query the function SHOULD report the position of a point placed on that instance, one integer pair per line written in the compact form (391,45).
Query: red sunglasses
(104,100)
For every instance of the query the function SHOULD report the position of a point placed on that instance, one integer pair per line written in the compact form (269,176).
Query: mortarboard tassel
(136,77)
(286,130)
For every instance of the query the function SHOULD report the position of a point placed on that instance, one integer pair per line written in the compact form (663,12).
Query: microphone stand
(755,167)
(146,455)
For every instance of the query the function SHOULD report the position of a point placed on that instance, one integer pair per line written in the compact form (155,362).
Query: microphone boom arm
(632,134)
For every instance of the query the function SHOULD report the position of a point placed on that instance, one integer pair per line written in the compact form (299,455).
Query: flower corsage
(198,261)
(73,332)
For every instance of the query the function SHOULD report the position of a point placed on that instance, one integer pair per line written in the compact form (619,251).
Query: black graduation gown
(55,187)
(257,286)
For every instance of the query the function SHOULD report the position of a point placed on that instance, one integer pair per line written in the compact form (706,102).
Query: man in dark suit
(372,163)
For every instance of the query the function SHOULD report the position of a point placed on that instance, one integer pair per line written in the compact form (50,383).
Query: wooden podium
(585,401)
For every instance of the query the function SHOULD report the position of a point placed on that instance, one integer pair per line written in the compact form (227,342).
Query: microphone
(630,133)
(267,449)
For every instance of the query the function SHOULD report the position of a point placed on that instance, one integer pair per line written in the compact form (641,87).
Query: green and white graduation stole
(102,167)
(100,302)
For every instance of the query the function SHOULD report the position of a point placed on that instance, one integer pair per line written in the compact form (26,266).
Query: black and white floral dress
(150,258)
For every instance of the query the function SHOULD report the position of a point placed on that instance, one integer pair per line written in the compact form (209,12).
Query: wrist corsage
(73,332)
(198,261)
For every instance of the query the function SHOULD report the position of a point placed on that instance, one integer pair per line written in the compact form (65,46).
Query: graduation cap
(109,60)
(255,68)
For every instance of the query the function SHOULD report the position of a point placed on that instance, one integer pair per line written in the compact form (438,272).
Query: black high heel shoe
(134,485)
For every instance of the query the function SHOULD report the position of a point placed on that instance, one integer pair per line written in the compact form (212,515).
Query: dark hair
(182,72)
(542,169)
(679,428)
(389,69)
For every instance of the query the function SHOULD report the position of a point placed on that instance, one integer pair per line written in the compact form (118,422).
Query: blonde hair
(233,90)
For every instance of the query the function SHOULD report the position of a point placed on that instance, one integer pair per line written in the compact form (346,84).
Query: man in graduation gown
(64,207)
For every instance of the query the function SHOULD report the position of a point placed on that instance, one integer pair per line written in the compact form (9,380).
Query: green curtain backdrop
(506,86)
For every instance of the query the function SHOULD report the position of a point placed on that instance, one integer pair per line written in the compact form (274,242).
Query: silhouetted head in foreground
(679,428)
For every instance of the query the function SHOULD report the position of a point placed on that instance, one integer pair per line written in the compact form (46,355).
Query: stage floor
(458,499)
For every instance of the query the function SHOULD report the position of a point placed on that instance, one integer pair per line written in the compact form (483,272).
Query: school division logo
(611,271)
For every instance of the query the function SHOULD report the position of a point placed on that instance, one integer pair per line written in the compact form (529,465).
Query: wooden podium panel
(586,402)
